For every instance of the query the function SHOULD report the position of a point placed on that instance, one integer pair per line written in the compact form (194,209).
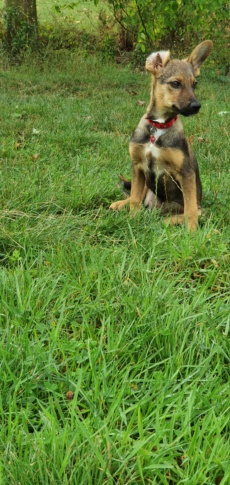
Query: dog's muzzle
(194,107)
(189,110)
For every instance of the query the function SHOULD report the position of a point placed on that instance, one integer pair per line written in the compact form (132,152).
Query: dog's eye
(175,84)
(194,84)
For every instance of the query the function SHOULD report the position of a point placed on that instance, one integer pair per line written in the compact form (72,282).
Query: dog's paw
(114,206)
(117,206)
(174,220)
(192,226)
(181,219)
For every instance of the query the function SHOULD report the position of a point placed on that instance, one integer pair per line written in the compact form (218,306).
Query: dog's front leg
(188,185)
(138,188)
(138,191)
(190,216)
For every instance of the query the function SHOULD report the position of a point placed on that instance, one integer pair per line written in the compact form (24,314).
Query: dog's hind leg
(173,208)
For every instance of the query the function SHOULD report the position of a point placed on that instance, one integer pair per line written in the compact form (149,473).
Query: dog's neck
(162,116)
(156,110)
(159,127)
(160,123)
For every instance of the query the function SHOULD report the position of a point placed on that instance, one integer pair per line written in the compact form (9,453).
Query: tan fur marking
(190,216)
(171,159)
(136,153)
(138,188)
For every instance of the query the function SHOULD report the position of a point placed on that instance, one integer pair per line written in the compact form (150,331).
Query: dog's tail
(126,184)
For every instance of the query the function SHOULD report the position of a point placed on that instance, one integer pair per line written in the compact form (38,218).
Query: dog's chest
(153,150)
(155,134)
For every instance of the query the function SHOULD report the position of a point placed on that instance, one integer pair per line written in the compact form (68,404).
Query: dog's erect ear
(157,60)
(198,56)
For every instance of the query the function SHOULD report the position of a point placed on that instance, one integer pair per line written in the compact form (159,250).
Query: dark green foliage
(172,21)
(19,28)
(117,28)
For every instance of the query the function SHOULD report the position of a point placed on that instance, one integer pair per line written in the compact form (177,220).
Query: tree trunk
(21,24)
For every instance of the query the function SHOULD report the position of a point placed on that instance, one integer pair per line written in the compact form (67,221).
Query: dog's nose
(195,106)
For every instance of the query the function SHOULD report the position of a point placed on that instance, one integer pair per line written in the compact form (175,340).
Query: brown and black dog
(165,172)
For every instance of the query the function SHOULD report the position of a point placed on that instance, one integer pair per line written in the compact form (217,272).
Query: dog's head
(174,81)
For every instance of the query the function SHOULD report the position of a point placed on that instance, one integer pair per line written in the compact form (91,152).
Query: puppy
(165,172)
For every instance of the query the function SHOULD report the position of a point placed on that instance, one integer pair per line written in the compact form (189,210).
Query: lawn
(114,329)
(81,12)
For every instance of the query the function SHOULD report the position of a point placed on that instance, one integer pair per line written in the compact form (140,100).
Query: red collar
(161,126)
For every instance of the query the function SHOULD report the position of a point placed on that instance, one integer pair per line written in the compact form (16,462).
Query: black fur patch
(166,189)
(127,185)
(177,143)
(150,162)
(151,181)
(141,137)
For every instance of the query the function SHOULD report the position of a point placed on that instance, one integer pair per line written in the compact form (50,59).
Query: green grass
(129,315)
(84,14)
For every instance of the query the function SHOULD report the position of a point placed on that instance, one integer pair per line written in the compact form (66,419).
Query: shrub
(175,22)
